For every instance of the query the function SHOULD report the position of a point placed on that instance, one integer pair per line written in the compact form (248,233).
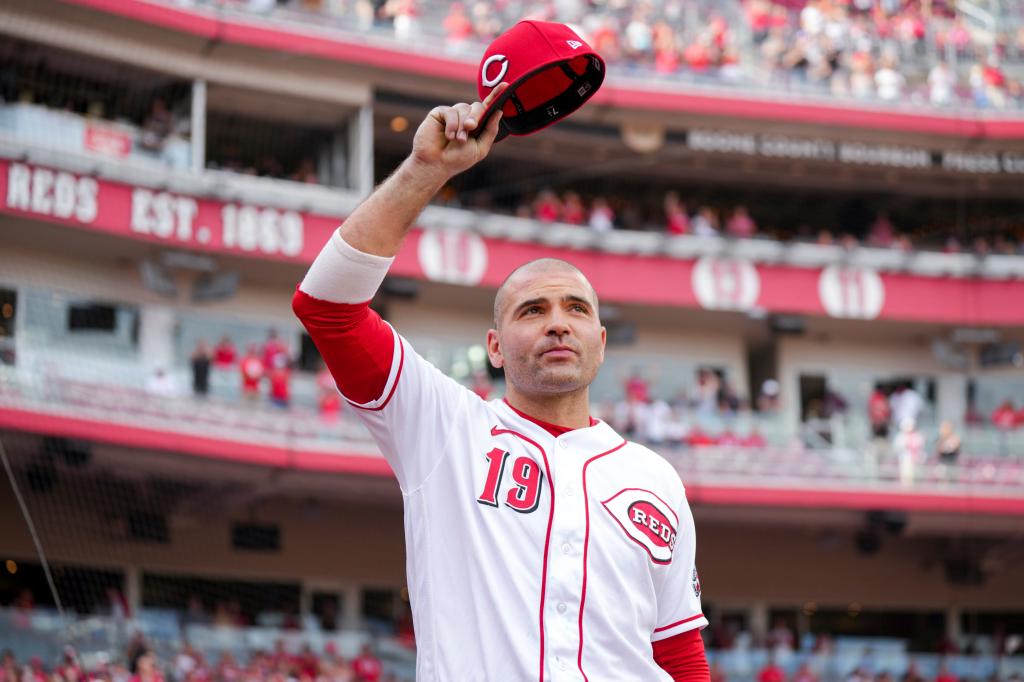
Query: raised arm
(396,391)
(442,148)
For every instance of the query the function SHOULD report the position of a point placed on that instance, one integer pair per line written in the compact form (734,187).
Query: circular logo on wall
(453,256)
(849,292)
(726,284)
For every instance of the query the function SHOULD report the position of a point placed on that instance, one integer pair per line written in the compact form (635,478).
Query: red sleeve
(357,345)
(682,657)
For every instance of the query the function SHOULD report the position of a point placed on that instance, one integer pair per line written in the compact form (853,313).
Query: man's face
(549,339)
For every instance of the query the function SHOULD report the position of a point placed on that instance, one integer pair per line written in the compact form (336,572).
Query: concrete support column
(360,148)
(133,589)
(156,336)
(758,616)
(198,134)
(351,607)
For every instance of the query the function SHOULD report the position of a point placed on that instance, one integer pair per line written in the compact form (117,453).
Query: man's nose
(558,325)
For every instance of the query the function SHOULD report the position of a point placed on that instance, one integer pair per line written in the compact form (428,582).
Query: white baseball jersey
(530,556)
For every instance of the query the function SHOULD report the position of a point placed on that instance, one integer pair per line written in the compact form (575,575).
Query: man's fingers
(495,94)
(451,122)
(462,110)
(486,138)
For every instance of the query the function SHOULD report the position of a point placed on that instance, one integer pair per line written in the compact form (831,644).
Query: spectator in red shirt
(546,207)
(945,675)
(329,399)
(366,666)
(879,413)
(771,672)
(740,224)
(224,353)
(638,389)
(677,221)
(252,369)
(754,439)
(805,674)
(573,210)
(280,382)
(457,26)
(1004,417)
(272,348)
(882,233)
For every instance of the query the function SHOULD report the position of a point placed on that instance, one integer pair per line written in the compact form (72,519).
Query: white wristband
(343,274)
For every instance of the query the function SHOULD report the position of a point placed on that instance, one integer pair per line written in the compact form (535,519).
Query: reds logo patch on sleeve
(647,520)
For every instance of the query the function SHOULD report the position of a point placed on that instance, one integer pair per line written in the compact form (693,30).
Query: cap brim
(485,118)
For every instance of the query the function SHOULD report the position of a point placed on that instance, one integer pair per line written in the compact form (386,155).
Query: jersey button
(561,608)
(562,444)
(566,548)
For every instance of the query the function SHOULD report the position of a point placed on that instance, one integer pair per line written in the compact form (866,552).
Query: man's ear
(604,341)
(494,349)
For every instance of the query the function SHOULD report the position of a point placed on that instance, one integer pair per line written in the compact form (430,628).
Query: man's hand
(443,143)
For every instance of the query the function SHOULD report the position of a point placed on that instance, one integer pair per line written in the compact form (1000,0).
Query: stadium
(805,224)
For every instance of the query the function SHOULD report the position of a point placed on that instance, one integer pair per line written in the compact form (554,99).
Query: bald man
(540,544)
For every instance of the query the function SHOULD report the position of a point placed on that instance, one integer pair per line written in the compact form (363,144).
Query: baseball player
(541,545)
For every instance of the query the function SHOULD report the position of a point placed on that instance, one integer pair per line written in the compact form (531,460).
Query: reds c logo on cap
(647,520)
(489,81)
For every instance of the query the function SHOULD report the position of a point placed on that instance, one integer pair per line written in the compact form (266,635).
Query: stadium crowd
(681,215)
(141,664)
(882,50)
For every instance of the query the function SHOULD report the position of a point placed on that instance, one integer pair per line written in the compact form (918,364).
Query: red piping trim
(554,429)
(398,375)
(495,431)
(586,548)
(678,622)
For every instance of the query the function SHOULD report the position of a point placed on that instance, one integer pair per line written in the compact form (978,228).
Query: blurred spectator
(781,637)
(280,376)
(457,26)
(146,669)
(161,384)
(157,126)
(805,674)
(637,388)
(768,398)
(224,353)
(948,446)
(889,82)
(944,675)
(909,448)
(329,398)
(200,362)
(912,674)
(602,218)
(481,384)
(1004,417)
(906,404)
(676,219)
(273,347)
(546,207)
(941,81)
(771,672)
(882,233)
(705,223)
(252,369)
(754,439)
(573,210)
(366,666)
(740,224)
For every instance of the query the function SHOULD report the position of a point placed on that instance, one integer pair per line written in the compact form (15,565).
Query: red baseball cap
(550,71)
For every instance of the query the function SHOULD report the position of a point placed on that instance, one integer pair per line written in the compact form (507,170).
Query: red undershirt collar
(554,429)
